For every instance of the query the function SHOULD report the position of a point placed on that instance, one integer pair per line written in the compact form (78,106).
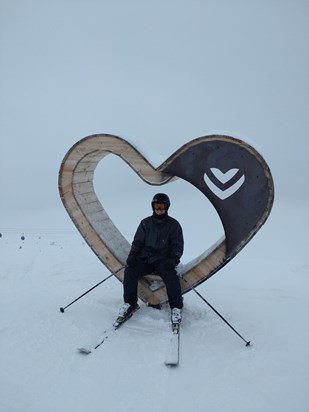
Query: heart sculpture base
(229,172)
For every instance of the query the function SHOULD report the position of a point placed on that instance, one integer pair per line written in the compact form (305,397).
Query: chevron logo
(224,185)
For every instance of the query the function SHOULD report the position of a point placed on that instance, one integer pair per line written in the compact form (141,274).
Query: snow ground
(262,292)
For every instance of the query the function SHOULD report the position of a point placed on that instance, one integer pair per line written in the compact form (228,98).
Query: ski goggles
(159,206)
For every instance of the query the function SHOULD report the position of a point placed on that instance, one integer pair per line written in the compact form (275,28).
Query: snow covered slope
(263,293)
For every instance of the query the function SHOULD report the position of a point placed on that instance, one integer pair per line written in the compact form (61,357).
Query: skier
(157,247)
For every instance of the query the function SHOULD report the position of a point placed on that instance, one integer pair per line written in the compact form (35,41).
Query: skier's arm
(176,243)
(138,240)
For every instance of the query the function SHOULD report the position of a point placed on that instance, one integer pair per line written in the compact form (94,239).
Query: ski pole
(248,343)
(109,276)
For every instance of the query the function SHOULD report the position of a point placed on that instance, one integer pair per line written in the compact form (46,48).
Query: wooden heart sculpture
(229,172)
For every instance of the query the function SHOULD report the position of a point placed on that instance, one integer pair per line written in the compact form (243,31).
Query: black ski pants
(169,277)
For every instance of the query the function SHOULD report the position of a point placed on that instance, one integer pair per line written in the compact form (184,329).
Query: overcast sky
(158,73)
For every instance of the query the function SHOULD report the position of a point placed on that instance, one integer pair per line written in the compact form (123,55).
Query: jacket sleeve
(176,242)
(139,239)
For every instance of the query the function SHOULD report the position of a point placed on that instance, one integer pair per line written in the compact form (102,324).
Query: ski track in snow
(262,296)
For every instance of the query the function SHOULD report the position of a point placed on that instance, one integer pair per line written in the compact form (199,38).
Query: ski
(105,335)
(172,358)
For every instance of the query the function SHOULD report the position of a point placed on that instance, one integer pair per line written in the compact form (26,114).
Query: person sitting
(157,247)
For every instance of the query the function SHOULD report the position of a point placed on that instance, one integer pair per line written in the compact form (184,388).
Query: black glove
(132,260)
(174,257)
(170,263)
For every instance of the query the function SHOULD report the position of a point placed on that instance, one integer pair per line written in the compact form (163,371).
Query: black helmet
(161,198)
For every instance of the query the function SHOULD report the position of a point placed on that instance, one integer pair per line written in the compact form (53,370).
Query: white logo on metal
(224,178)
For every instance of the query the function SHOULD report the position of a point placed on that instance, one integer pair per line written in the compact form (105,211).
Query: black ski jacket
(157,239)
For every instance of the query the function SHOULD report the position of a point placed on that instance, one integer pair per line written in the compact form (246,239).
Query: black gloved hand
(170,263)
(174,257)
(132,260)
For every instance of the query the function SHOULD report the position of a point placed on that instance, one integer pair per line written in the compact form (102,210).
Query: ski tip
(248,343)
(84,351)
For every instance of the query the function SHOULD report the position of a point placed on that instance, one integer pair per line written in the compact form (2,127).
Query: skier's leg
(130,281)
(172,283)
